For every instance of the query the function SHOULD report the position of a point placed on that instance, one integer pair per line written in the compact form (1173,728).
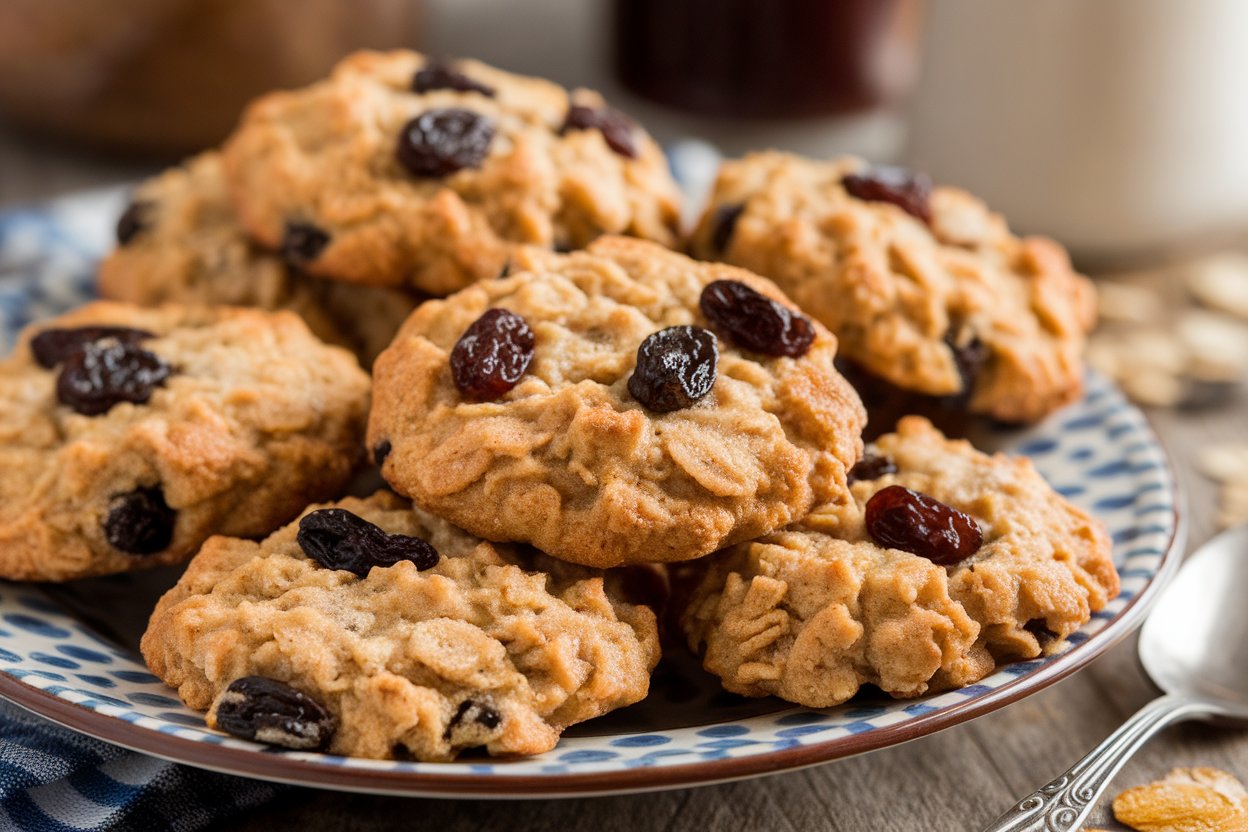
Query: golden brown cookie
(398,171)
(566,456)
(925,287)
(811,613)
(126,447)
(180,242)
(430,648)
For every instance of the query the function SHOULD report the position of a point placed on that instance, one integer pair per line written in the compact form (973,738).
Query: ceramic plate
(70,653)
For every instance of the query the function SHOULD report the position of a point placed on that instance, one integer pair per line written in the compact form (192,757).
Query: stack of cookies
(560,403)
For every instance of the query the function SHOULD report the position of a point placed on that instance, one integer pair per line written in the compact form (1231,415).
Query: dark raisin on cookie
(911,192)
(302,243)
(723,224)
(616,128)
(140,522)
(872,466)
(970,354)
(132,221)
(473,712)
(273,712)
(439,76)
(676,367)
(492,355)
(441,142)
(338,539)
(380,451)
(970,358)
(900,518)
(754,321)
(106,373)
(52,346)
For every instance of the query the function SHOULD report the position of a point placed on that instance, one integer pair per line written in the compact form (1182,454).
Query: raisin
(871,467)
(911,192)
(437,76)
(969,357)
(440,142)
(921,525)
(505,271)
(473,712)
(755,321)
(675,368)
(266,710)
(302,243)
(132,221)
(491,356)
(724,223)
(616,128)
(52,346)
(337,539)
(140,522)
(380,451)
(101,375)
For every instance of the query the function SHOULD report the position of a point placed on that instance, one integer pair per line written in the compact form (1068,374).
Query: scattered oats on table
(1163,349)
(1226,463)
(1220,281)
(1186,800)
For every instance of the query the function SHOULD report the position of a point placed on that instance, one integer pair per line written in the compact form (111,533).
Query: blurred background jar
(168,77)
(1118,126)
(808,75)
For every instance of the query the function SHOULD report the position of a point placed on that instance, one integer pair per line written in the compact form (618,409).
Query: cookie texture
(811,613)
(253,418)
(436,205)
(954,307)
(568,459)
(181,242)
(495,646)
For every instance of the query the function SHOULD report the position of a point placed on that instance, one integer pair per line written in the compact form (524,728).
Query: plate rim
(281,769)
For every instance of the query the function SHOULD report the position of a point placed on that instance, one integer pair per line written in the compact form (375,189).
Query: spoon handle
(1064,803)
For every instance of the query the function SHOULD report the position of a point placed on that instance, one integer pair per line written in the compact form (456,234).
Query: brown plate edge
(275,767)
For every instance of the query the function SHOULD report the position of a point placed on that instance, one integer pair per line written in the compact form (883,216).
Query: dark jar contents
(767,58)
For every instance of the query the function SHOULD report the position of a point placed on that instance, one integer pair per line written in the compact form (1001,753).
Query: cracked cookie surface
(185,245)
(811,613)
(507,167)
(495,645)
(568,460)
(955,307)
(254,418)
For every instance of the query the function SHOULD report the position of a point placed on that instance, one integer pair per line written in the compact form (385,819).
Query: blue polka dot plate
(70,652)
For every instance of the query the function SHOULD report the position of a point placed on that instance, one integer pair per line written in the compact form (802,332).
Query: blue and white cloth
(57,780)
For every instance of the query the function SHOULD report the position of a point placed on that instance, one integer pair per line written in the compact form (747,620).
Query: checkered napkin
(54,779)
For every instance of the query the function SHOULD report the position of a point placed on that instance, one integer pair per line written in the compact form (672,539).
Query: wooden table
(955,780)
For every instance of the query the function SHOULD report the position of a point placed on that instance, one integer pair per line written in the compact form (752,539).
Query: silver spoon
(1194,645)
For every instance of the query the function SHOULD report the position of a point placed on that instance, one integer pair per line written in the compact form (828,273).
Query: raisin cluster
(616,128)
(754,321)
(911,192)
(338,539)
(439,76)
(101,366)
(266,710)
